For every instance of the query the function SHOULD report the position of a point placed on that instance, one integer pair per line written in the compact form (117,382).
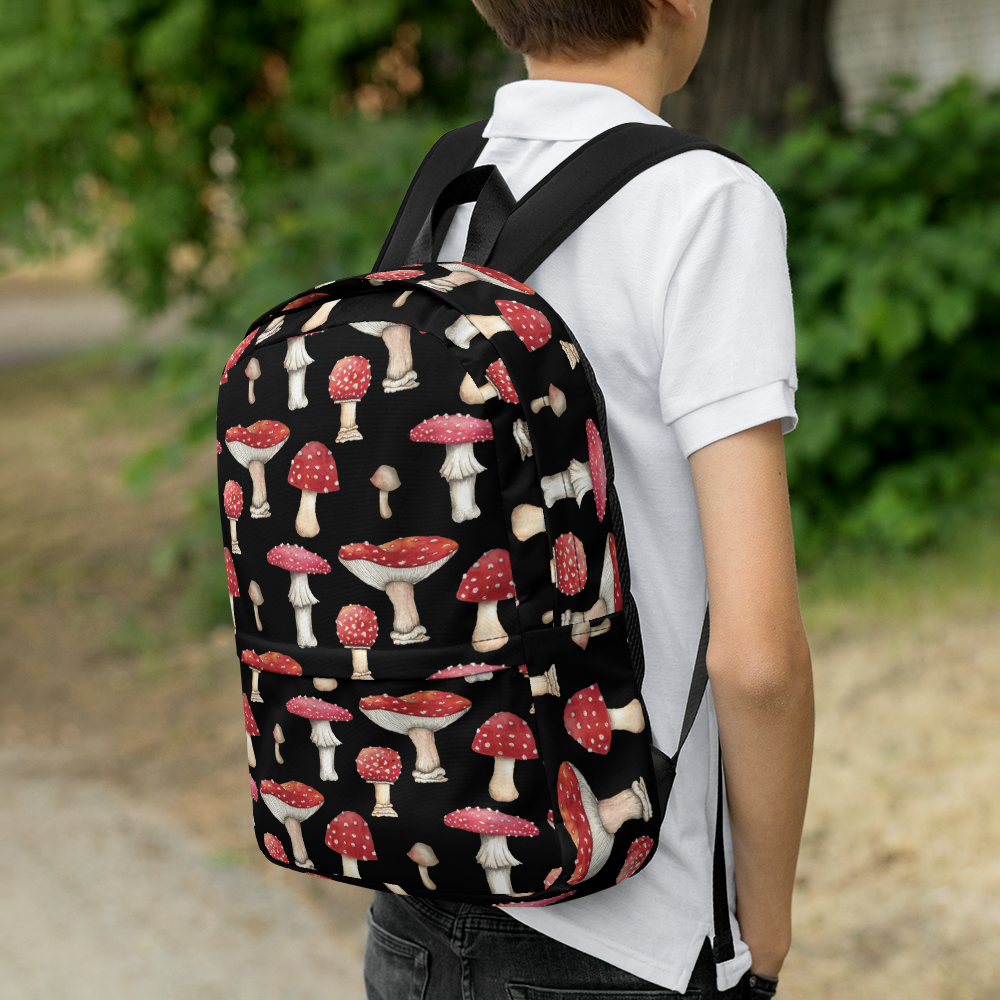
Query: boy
(692,340)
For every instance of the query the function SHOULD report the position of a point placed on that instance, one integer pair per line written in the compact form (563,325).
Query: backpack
(442,661)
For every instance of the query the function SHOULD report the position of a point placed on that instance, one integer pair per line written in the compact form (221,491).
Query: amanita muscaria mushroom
(556,400)
(274,848)
(531,326)
(357,629)
(570,563)
(385,480)
(457,432)
(320,714)
(250,658)
(400,274)
(418,715)
(303,300)
(590,722)
(592,825)
(522,439)
(494,828)
(396,567)
(232,502)
(471,672)
(423,856)
(257,599)
(250,724)
(508,739)
(313,471)
(252,447)
(610,599)
(400,374)
(349,381)
(380,766)
(581,477)
(637,853)
(274,663)
(462,273)
(235,356)
(349,836)
(300,563)
(499,384)
(487,581)
(252,372)
(292,803)
(279,737)
(232,583)
(526,521)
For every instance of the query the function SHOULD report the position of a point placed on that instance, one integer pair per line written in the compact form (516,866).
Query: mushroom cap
(402,553)
(292,793)
(278,663)
(313,469)
(422,704)
(385,478)
(575,818)
(488,579)
(350,379)
(248,720)
(232,582)
(399,275)
(232,498)
(235,356)
(348,834)
(492,822)
(458,428)
(252,369)
(251,659)
(500,380)
(637,853)
(305,300)
(467,670)
(379,764)
(315,708)
(259,435)
(505,735)
(586,720)
(598,472)
(488,274)
(422,854)
(274,848)
(357,626)
(529,324)
(296,559)
(571,564)
(253,788)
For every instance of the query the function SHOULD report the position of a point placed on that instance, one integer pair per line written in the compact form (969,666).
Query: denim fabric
(422,950)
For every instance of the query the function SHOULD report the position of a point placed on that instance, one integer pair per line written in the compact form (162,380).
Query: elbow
(765,672)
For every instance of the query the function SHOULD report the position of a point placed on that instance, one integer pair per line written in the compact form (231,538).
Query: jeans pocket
(395,969)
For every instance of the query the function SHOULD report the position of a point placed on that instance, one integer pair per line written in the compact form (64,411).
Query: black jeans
(422,950)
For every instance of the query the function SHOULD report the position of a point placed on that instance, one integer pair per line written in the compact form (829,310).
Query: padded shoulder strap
(453,154)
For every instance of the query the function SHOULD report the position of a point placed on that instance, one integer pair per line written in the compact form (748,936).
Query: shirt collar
(556,110)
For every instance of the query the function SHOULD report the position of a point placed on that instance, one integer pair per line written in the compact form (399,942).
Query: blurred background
(171,168)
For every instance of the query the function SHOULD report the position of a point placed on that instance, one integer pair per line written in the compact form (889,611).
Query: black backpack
(431,590)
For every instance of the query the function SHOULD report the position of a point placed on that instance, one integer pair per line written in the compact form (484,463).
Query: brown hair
(566,27)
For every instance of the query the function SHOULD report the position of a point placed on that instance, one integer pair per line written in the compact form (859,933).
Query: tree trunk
(766,62)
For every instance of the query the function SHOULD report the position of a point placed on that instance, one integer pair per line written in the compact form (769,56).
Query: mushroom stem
(463,499)
(237,551)
(546,683)
(250,395)
(428,767)
(497,861)
(279,738)
(470,393)
(460,461)
(580,632)
(556,487)
(294,829)
(633,803)
(580,479)
(599,610)
(425,877)
(359,661)
(350,867)
(489,633)
(302,599)
(327,743)
(383,806)
(232,610)
(391,886)
(254,689)
(348,422)
(259,507)
(399,373)
(256,614)
(251,756)
(629,718)
(296,361)
(305,521)
(383,504)
(406,627)
(502,783)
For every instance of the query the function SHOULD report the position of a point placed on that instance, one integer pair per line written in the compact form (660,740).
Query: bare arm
(758,661)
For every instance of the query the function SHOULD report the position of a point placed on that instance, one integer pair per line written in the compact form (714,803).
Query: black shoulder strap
(453,154)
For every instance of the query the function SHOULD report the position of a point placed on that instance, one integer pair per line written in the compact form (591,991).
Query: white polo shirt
(686,316)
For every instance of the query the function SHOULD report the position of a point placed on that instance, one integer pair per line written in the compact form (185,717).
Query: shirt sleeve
(729,329)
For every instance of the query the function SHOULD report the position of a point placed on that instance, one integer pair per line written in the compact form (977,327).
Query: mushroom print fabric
(429,708)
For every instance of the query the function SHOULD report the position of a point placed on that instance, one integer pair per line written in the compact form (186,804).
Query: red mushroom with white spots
(531,326)
(396,337)
(252,660)
(570,562)
(292,803)
(581,477)
(472,673)
(297,360)
(274,848)
(232,502)
(349,381)
(273,663)
(401,274)
(232,583)
(418,715)
(590,722)
(357,629)
(499,384)
(457,432)
(381,767)
(610,599)
(235,356)
(487,581)
(320,714)
(349,836)
(462,273)
(250,725)
(556,400)
(508,739)
(494,828)
(313,471)
(253,788)
(637,854)
(300,563)
(592,824)
(253,447)
(423,856)
(397,567)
